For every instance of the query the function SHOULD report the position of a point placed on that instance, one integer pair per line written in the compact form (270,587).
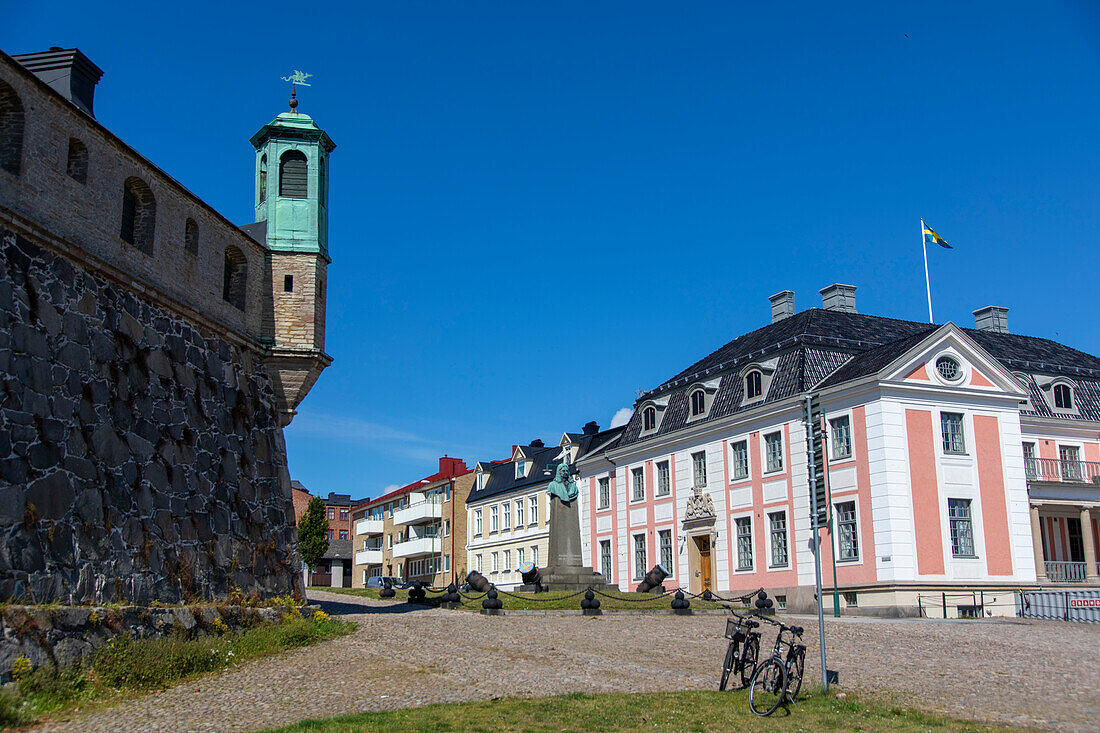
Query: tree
(313,533)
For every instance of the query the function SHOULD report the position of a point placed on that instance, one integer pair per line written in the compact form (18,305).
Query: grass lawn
(543,601)
(124,667)
(666,711)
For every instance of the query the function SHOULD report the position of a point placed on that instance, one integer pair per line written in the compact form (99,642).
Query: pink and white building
(959,461)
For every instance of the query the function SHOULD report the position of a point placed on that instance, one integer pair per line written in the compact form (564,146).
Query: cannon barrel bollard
(387,589)
(651,583)
(478,582)
(416,592)
(532,578)
(451,599)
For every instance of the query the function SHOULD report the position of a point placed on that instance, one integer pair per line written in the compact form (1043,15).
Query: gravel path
(1035,673)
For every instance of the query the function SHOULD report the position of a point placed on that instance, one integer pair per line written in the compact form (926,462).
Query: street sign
(815,425)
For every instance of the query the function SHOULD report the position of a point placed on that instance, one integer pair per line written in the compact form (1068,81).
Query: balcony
(1055,470)
(369,556)
(426,510)
(1065,572)
(417,546)
(368,526)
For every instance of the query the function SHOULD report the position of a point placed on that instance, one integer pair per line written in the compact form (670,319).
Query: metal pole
(831,524)
(944,604)
(817,539)
(927,282)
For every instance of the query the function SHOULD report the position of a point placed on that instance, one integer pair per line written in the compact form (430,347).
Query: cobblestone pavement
(1033,673)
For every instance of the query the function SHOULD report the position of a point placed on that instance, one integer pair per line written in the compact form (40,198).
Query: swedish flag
(930,237)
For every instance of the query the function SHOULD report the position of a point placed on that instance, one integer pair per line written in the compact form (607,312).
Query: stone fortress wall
(141,448)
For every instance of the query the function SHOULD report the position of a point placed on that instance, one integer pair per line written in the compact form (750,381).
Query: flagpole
(927,284)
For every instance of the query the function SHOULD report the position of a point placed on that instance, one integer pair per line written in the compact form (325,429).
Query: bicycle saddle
(752,624)
(796,630)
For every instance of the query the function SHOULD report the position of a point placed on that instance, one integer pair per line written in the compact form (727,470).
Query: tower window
(322,184)
(235,277)
(263,178)
(191,236)
(293,175)
(288,283)
(139,213)
(11,130)
(77,163)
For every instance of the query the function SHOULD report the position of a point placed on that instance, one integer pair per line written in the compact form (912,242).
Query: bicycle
(743,649)
(778,678)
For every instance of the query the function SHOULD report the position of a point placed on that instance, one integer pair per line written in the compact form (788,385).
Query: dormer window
(1063,396)
(698,402)
(649,418)
(754,385)
(480,480)
(521,468)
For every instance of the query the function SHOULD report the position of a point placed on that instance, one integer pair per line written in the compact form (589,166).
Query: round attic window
(948,368)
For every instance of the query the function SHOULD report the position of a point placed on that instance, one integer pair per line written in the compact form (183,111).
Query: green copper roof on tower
(292,183)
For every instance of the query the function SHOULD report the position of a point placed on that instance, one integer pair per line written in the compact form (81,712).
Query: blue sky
(538,208)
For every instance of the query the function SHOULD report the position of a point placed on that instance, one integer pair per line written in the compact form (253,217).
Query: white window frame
(446,528)
(733,460)
(506,516)
(697,481)
(854,501)
(637,480)
(606,567)
(519,557)
(786,536)
(760,385)
(667,488)
(519,513)
(751,567)
(692,414)
(494,519)
(969,519)
(671,566)
(507,561)
(963,431)
(768,469)
(446,563)
(477,561)
(521,468)
(533,510)
(477,523)
(603,491)
(494,566)
(634,548)
(535,555)
(846,419)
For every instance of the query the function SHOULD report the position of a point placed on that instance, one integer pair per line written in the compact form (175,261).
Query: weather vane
(298,77)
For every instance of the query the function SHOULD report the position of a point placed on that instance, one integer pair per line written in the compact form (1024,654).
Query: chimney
(591,428)
(839,297)
(991,318)
(537,443)
(782,305)
(67,71)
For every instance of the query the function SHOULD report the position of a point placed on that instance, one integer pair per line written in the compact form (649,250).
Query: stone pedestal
(564,570)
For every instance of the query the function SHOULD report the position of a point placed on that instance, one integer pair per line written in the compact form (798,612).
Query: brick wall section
(90,214)
(299,316)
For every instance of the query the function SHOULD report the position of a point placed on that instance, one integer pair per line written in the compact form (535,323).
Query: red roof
(448,468)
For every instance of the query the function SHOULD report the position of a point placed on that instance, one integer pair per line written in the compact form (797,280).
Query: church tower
(292,220)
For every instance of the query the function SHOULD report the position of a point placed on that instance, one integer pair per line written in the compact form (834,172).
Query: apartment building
(417,532)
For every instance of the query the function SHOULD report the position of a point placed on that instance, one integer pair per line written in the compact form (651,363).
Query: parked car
(378,581)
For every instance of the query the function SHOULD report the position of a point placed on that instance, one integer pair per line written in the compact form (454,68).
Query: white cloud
(622,417)
(371,435)
(388,489)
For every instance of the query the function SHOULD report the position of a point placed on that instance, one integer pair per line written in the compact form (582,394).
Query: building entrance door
(703,543)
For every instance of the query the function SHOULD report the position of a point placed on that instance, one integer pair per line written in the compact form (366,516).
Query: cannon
(477,582)
(532,578)
(652,581)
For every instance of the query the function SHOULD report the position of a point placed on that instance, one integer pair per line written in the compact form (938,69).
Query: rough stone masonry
(143,389)
(141,455)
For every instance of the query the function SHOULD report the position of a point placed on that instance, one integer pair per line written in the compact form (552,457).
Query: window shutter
(293,175)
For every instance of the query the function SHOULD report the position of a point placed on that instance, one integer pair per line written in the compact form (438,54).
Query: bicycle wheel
(796,665)
(727,666)
(748,659)
(768,686)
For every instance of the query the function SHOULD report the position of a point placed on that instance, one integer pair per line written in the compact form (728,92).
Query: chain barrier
(633,600)
(542,600)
